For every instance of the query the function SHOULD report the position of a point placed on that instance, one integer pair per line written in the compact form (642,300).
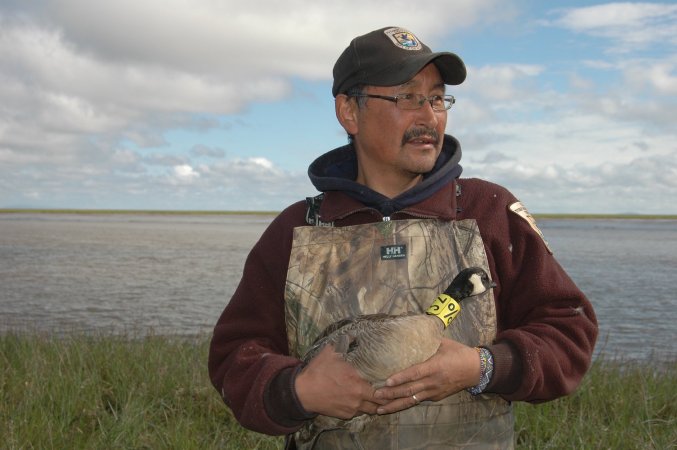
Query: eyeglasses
(416,101)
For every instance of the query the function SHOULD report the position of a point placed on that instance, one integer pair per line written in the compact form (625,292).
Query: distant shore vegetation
(273,213)
(136,211)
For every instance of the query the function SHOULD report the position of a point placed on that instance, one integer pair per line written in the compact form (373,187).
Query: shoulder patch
(521,210)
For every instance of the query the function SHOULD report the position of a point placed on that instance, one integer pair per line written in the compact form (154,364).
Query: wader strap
(313,211)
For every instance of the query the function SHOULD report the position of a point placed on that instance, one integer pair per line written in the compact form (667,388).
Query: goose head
(469,282)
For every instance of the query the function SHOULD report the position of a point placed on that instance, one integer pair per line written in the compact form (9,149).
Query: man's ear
(346,113)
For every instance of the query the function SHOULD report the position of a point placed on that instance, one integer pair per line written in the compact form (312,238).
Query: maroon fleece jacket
(546,326)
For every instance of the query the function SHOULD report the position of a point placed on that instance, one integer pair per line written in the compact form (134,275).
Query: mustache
(414,133)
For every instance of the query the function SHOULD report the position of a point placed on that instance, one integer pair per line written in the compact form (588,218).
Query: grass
(112,392)
(105,392)
(618,406)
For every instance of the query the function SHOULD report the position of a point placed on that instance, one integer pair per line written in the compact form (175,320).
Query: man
(395,190)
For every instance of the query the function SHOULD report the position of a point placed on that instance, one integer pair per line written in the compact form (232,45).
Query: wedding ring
(415,399)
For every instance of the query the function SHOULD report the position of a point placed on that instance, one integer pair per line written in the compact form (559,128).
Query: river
(173,274)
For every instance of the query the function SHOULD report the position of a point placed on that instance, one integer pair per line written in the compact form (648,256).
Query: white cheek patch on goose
(521,210)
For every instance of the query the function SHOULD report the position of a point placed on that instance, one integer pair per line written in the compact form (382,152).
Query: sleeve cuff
(280,400)
(507,369)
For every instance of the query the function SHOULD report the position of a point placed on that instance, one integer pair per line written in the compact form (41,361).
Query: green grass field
(108,392)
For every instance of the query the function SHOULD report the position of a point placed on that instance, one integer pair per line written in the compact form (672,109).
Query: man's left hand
(454,367)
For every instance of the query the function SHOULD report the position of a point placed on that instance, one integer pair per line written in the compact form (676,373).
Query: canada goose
(379,345)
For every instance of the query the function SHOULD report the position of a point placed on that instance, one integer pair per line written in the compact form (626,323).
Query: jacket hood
(337,170)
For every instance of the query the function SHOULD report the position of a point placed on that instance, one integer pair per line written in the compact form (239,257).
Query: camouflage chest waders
(395,267)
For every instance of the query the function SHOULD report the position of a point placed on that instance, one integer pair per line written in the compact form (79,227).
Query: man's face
(396,143)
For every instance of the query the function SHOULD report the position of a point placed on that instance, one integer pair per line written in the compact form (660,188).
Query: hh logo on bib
(394,252)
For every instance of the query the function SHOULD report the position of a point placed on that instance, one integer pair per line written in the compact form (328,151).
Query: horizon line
(545,215)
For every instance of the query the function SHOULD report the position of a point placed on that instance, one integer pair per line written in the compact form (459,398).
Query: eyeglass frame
(447,99)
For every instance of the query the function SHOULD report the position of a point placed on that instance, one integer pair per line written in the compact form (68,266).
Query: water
(628,268)
(174,274)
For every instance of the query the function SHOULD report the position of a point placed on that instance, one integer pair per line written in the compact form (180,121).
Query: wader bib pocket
(395,267)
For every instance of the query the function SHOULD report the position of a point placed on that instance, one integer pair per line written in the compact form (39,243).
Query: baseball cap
(388,57)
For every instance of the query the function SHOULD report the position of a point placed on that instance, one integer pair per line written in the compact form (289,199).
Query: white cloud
(91,90)
(595,187)
(79,80)
(125,157)
(576,150)
(630,25)
(128,183)
(201,150)
(243,40)
(263,162)
(505,82)
(184,174)
(659,76)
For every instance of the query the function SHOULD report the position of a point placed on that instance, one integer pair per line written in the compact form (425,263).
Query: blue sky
(206,105)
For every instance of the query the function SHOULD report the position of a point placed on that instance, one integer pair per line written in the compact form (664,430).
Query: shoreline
(151,212)
(589,216)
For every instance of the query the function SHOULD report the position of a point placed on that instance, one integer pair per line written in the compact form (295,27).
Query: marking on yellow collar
(444,308)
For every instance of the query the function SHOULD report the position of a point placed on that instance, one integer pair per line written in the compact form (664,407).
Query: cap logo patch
(403,39)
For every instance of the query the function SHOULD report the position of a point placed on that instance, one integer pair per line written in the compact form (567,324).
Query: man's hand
(454,367)
(330,386)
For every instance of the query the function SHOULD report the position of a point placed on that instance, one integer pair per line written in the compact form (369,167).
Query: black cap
(388,57)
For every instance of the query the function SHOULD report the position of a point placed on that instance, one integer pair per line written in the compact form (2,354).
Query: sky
(222,105)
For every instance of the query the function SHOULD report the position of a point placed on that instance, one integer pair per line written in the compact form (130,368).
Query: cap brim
(451,69)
